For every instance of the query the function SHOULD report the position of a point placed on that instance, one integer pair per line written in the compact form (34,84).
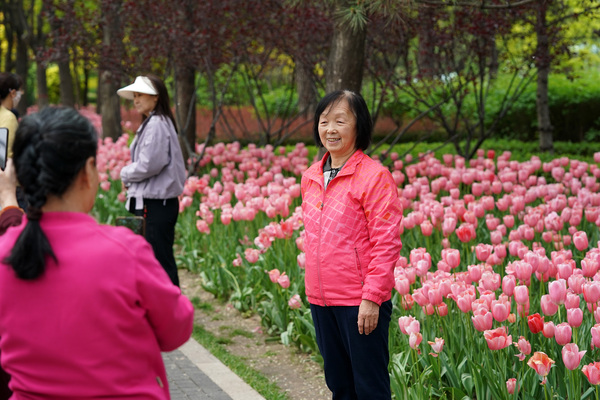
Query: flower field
(498,282)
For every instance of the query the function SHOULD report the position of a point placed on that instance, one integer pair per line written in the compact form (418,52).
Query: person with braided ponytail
(85,309)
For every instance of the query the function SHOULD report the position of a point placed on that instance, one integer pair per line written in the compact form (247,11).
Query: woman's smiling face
(337,130)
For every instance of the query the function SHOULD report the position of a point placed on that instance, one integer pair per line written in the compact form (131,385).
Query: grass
(255,379)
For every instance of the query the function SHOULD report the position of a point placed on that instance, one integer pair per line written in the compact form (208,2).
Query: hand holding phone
(3,147)
(8,185)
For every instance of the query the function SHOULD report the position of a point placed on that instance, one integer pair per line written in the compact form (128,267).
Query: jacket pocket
(359,270)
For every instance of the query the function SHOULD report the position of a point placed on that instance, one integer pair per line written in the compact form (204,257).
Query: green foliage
(573,109)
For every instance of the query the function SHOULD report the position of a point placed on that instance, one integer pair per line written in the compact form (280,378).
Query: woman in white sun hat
(157,173)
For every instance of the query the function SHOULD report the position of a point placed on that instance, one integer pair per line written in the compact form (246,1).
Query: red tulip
(536,323)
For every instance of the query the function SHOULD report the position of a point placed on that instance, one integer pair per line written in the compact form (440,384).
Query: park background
(486,112)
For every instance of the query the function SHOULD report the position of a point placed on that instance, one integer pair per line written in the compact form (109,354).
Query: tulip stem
(596,392)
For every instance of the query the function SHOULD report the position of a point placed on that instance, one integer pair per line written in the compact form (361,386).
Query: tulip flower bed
(498,283)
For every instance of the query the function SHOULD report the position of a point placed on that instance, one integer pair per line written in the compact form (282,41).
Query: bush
(573,109)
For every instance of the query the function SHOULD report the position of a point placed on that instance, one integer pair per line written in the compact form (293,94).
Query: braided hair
(50,149)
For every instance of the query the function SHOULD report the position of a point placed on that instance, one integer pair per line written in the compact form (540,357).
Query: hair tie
(34,213)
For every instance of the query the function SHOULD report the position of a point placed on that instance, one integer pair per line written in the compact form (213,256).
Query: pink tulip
(483,251)
(524,347)
(237,262)
(483,321)
(572,300)
(284,281)
(548,306)
(466,232)
(558,291)
(572,356)
(595,330)
(497,338)
(580,240)
(437,346)
(500,310)
(415,340)
(274,275)
(562,333)
(589,266)
(301,259)
(592,372)
(521,294)
(508,284)
(511,385)
(426,228)
(548,329)
(408,325)
(251,255)
(295,302)
(402,285)
(451,257)
(490,280)
(574,317)
(591,292)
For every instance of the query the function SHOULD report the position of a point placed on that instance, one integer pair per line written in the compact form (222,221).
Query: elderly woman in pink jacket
(352,215)
(85,309)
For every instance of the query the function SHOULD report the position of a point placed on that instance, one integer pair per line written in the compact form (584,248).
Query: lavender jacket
(157,169)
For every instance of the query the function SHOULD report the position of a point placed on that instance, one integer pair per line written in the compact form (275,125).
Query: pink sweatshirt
(352,233)
(94,324)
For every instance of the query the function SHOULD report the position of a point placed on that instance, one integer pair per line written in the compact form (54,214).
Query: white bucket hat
(142,84)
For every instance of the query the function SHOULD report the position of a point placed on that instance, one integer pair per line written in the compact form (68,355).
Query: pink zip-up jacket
(352,233)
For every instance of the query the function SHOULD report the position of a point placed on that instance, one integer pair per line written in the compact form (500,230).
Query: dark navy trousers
(356,366)
(161,217)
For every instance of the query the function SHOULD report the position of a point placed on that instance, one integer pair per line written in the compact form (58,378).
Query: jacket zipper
(319,249)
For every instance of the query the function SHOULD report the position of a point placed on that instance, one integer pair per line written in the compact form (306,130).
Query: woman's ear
(90,173)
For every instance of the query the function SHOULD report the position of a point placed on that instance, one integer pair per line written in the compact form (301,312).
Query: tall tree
(345,65)
(110,68)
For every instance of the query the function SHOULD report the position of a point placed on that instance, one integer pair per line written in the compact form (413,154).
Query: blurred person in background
(11,91)
(156,175)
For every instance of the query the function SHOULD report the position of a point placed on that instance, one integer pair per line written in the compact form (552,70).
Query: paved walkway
(195,374)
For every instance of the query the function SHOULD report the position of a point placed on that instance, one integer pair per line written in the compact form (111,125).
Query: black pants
(161,217)
(356,366)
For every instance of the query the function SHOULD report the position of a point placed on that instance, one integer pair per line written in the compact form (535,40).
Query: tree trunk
(307,89)
(67,90)
(426,56)
(543,71)
(109,83)
(186,108)
(42,85)
(345,64)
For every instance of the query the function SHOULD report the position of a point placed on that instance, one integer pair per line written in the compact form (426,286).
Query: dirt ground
(293,372)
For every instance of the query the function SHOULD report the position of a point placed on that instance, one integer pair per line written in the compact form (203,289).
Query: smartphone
(136,224)
(3,147)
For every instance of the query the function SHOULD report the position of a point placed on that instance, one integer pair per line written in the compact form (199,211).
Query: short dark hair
(358,106)
(163,106)
(8,82)
(51,147)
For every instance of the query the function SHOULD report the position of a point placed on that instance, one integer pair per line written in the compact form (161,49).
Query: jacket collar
(348,169)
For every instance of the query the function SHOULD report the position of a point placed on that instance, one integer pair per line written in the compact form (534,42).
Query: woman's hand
(8,185)
(368,316)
